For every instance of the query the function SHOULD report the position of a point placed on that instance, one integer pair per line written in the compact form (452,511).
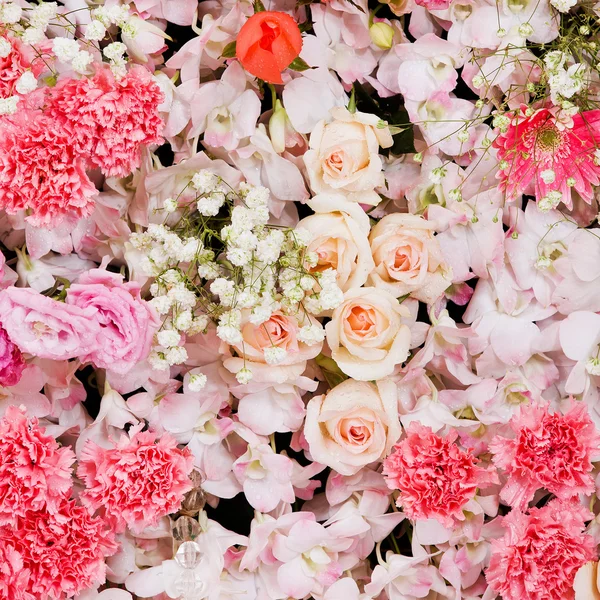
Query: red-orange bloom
(267,44)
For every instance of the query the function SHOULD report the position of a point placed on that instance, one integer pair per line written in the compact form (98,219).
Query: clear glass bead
(190,586)
(193,502)
(186,529)
(197,478)
(189,555)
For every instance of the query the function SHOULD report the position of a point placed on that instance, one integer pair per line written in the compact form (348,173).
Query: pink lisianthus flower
(540,553)
(41,172)
(435,477)
(45,327)
(12,364)
(542,155)
(109,119)
(63,552)
(549,450)
(126,322)
(138,481)
(35,472)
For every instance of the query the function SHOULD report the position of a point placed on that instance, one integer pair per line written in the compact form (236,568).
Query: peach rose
(339,235)
(354,424)
(587,582)
(344,156)
(279,331)
(366,335)
(408,258)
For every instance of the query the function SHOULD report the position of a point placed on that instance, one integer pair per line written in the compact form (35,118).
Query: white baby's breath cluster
(565,77)
(253,270)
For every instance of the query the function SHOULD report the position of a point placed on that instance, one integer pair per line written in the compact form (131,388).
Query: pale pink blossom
(265,477)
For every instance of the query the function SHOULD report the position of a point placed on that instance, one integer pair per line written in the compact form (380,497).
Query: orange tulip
(267,44)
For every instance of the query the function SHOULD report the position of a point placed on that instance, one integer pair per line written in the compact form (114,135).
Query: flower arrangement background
(299,300)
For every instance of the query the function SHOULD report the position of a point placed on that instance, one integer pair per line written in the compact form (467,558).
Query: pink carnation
(21,58)
(35,472)
(137,482)
(109,119)
(12,364)
(41,173)
(14,579)
(435,477)
(127,323)
(540,553)
(538,143)
(551,451)
(63,552)
(45,327)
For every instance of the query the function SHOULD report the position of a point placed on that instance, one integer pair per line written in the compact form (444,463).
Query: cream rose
(353,425)
(280,331)
(339,236)
(408,258)
(366,335)
(344,156)
(587,582)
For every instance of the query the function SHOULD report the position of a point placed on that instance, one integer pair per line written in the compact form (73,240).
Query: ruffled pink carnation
(435,477)
(538,143)
(21,58)
(127,323)
(63,552)
(109,119)
(35,472)
(551,451)
(540,553)
(14,578)
(12,364)
(137,482)
(41,172)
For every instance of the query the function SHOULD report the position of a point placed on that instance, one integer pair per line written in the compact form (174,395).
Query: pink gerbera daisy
(541,155)
(549,450)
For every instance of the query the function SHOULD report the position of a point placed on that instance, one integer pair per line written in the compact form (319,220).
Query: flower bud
(382,35)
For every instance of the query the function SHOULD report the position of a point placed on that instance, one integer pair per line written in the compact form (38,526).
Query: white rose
(366,335)
(339,237)
(353,425)
(344,156)
(408,258)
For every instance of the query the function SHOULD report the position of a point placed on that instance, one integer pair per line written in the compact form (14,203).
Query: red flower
(267,44)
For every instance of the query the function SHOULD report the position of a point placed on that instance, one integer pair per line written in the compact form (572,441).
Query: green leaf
(332,373)
(259,6)
(229,50)
(299,65)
